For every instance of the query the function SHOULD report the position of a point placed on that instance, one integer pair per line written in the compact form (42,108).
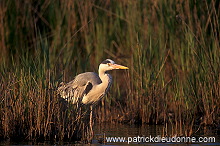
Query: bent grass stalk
(174,64)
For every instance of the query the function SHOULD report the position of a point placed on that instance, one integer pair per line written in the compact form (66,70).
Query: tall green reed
(171,48)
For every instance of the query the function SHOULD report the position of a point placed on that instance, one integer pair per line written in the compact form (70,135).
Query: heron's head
(109,64)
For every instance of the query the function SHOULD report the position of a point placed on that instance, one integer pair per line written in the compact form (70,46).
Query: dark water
(149,135)
(137,134)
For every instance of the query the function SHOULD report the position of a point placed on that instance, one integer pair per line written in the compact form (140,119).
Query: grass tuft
(171,49)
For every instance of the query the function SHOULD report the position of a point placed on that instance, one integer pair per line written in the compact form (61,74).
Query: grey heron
(89,87)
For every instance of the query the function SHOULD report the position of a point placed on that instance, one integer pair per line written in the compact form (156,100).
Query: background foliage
(171,48)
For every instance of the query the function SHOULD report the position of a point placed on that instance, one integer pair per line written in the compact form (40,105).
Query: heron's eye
(108,64)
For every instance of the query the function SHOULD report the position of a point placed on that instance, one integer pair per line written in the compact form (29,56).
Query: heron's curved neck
(106,79)
(103,76)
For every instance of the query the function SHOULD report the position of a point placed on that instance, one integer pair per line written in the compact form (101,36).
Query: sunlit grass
(171,49)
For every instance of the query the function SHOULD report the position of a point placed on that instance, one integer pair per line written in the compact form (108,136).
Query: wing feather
(79,87)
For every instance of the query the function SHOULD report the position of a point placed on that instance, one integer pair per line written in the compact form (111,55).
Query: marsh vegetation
(171,48)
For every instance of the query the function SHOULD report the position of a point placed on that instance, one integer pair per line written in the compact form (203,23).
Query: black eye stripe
(106,62)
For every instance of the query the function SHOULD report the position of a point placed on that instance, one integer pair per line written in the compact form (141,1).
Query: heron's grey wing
(80,86)
(83,78)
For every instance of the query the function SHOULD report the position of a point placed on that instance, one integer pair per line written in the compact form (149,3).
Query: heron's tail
(61,89)
(68,92)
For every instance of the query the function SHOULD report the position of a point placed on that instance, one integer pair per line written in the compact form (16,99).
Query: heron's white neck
(105,78)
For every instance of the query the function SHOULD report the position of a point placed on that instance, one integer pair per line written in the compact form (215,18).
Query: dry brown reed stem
(171,48)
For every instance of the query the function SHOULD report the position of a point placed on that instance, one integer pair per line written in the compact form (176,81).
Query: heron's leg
(91,121)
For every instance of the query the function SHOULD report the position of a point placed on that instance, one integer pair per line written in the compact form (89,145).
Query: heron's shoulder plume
(68,91)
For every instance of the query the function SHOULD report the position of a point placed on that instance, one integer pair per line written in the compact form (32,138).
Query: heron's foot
(90,137)
(91,132)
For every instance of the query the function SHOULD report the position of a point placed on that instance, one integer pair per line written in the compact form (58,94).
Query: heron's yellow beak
(117,66)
